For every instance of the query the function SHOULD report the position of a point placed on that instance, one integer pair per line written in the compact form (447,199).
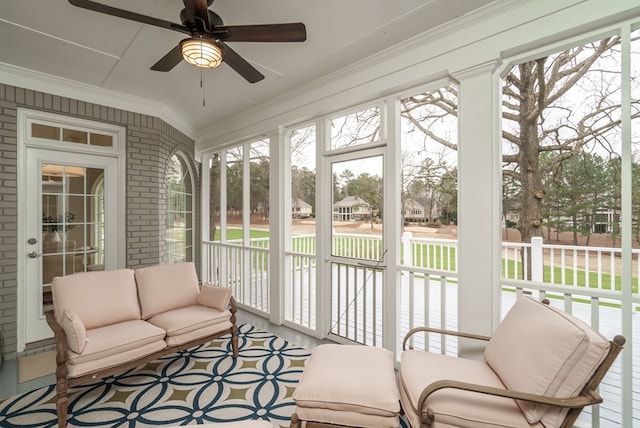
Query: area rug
(200,385)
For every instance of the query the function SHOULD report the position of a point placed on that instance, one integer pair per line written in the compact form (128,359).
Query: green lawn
(234,233)
(443,258)
(609,282)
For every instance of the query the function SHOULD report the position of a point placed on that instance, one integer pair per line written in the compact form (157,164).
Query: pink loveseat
(107,322)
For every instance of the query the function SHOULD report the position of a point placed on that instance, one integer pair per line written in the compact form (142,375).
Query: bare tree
(558,104)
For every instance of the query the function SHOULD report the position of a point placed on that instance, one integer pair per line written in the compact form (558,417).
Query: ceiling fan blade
(132,16)
(198,12)
(170,60)
(239,64)
(292,32)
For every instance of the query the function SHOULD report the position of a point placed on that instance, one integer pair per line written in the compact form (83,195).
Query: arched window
(179,233)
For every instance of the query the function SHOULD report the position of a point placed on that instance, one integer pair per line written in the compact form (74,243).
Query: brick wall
(150,143)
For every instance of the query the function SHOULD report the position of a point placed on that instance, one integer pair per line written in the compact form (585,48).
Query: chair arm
(441,331)
(590,398)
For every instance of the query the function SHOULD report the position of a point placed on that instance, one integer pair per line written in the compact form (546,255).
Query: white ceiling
(55,38)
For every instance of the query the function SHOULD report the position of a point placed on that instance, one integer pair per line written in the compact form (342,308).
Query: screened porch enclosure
(441,204)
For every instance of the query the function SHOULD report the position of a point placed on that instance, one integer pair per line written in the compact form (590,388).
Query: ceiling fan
(206,45)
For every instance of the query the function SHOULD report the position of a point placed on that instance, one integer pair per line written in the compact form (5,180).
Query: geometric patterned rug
(200,385)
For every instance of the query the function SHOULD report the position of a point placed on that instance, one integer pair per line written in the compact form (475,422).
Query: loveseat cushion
(454,407)
(115,339)
(165,287)
(190,323)
(97,298)
(214,297)
(541,350)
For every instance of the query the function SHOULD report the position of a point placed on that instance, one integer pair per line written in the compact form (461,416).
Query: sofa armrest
(61,340)
(214,297)
(440,331)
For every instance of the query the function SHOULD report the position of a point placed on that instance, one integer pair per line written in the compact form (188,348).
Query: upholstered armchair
(540,369)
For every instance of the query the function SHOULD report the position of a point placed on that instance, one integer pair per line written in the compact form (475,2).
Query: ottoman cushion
(348,381)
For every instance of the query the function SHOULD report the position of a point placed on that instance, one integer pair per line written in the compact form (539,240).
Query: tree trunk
(530,176)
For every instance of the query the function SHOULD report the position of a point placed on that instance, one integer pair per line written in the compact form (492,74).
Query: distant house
(351,208)
(300,209)
(417,210)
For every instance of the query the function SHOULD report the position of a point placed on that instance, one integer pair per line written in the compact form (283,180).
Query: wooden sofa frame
(588,397)
(64,382)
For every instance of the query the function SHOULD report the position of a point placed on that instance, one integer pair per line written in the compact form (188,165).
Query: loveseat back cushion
(97,298)
(541,350)
(165,287)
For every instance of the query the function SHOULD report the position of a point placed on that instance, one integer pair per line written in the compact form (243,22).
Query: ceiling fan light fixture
(201,52)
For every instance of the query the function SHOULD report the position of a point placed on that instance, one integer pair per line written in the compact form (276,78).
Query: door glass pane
(73,136)
(72,220)
(101,140)
(357,208)
(45,131)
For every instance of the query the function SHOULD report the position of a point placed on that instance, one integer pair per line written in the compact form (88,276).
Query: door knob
(32,254)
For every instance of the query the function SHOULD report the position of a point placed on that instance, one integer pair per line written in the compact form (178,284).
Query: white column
(205,192)
(323,233)
(479,201)
(392,228)
(278,190)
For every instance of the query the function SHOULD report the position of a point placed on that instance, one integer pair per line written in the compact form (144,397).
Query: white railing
(300,291)
(572,265)
(583,281)
(244,269)
(428,298)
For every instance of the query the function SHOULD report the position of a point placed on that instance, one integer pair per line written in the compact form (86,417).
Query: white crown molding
(34,80)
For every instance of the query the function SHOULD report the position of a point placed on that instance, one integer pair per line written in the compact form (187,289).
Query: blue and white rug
(200,385)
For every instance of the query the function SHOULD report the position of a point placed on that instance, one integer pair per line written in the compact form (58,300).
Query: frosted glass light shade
(201,53)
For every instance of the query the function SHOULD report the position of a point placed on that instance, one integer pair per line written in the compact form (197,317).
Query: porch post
(278,189)
(479,200)
(537,260)
(205,192)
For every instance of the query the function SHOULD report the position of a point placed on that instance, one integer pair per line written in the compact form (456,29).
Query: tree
(576,192)
(544,111)
(369,188)
(259,185)
(303,185)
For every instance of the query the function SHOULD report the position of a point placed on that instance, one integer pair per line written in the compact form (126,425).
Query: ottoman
(347,385)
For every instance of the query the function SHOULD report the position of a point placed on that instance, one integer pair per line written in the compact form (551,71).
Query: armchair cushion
(453,407)
(74,330)
(540,350)
(214,297)
(165,287)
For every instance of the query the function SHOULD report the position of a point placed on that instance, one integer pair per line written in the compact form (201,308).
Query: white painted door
(67,225)
(71,191)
